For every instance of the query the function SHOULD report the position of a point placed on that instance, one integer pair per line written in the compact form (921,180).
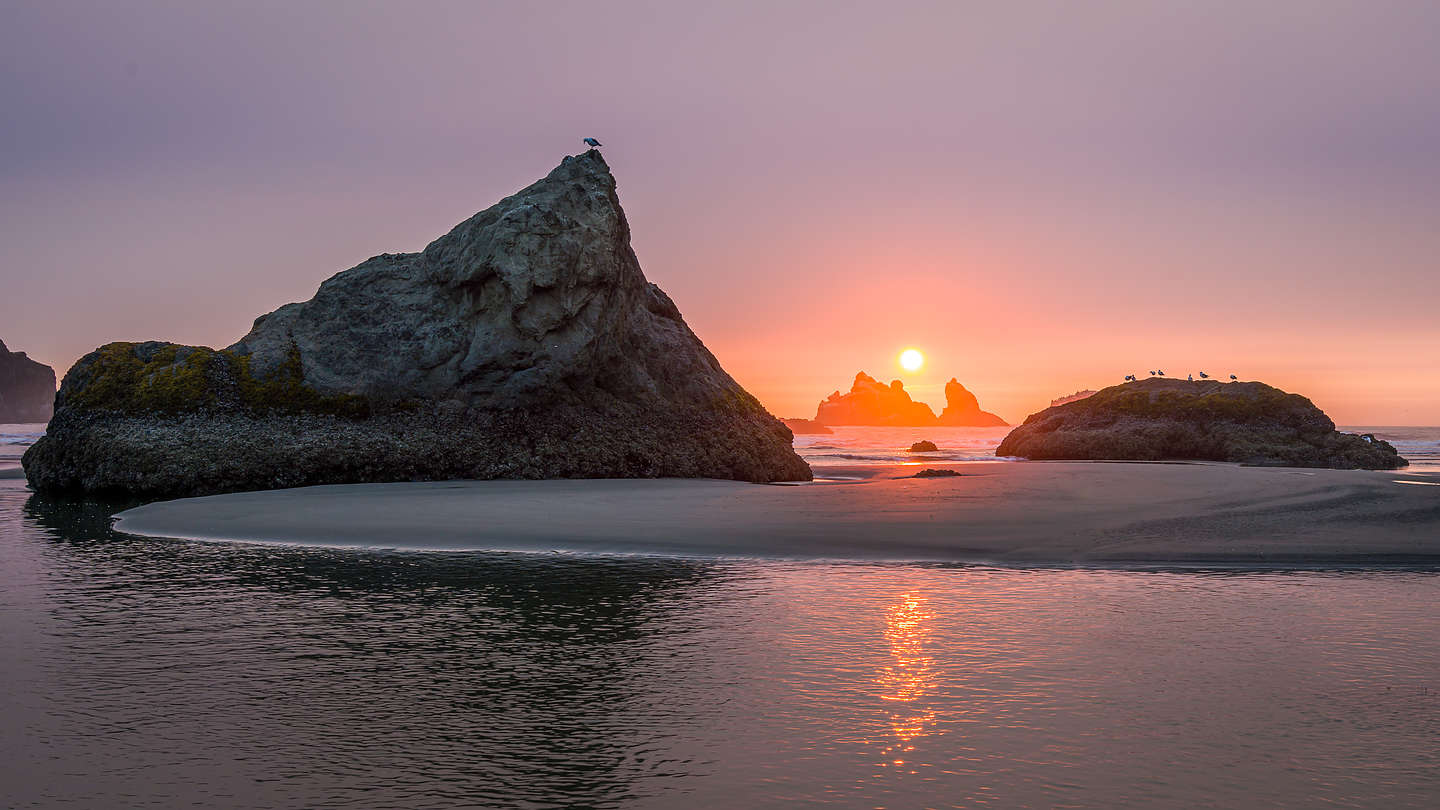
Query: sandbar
(997,513)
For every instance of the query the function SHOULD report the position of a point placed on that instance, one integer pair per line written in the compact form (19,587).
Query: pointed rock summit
(524,343)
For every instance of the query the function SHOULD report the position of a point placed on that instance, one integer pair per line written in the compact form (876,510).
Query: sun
(911,360)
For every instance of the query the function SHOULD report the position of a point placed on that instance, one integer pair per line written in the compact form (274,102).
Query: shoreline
(1073,514)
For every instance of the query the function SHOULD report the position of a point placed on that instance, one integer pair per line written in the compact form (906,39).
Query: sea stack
(962,409)
(871,402)
(524,343)
(27,388)
(1160,419)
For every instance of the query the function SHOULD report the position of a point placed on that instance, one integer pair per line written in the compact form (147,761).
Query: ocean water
(148,673)
(878,446)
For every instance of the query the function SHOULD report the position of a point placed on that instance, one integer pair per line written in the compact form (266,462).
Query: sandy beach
(1021,513)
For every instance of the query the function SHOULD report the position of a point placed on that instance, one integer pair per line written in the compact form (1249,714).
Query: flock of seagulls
(1190,377)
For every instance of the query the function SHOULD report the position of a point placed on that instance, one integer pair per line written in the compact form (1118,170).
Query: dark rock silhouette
(934,473)
(923,446)
(806,427)
(1157,419)
(27,388)
(525,343)
(962,409)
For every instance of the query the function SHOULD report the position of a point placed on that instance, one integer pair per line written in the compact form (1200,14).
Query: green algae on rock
(1164,419)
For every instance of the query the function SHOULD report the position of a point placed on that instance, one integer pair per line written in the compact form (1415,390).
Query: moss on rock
(170,379)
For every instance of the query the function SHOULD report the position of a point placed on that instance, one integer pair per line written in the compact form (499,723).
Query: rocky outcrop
(27,388)
(1157,419)
(806,427)
(962,409)
(924,446)
(525,343)
(871,402)
(1075,397)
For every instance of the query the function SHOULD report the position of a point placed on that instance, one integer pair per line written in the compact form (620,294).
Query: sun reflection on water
(909,677)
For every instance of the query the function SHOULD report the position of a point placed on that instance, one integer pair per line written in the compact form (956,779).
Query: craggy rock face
(27,388)
(524,343)
(1157,419)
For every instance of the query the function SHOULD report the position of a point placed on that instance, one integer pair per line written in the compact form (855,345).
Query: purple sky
(1041,196)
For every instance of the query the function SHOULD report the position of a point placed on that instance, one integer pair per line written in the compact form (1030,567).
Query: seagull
(592,143)
(1152,374)
(1160,373)
(1129,378)
(1190,377)
(1204,376)
(1233,377)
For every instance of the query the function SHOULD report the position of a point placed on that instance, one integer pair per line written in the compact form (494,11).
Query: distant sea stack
(1158,419)
(806,427)
(27,388)
(525,343)
(871,402)
(962,409)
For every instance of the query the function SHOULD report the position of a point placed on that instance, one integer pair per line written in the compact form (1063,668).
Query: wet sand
(1023,513)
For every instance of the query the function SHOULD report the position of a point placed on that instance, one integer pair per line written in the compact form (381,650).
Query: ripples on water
(158,673)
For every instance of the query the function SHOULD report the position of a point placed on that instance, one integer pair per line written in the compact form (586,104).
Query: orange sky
(1039,197)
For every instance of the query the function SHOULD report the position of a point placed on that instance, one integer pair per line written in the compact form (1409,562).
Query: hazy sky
(1040,196)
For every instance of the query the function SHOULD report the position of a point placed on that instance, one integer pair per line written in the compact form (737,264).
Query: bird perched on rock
(592,143)
(1160,373)
(1152,374)
(1204,376)
(1129,378)
(1233,377)
(1190,377)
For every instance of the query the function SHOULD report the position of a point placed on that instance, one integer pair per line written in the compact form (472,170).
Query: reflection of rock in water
(909,677)
(322,674)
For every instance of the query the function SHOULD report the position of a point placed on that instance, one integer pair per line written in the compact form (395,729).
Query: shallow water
(161,673)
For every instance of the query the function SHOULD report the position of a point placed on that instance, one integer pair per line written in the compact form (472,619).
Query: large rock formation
(962,409)
(871,402)
(525,343)
(27,388)
(1155,419)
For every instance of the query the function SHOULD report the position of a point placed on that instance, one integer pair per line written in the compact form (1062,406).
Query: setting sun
(911,360)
